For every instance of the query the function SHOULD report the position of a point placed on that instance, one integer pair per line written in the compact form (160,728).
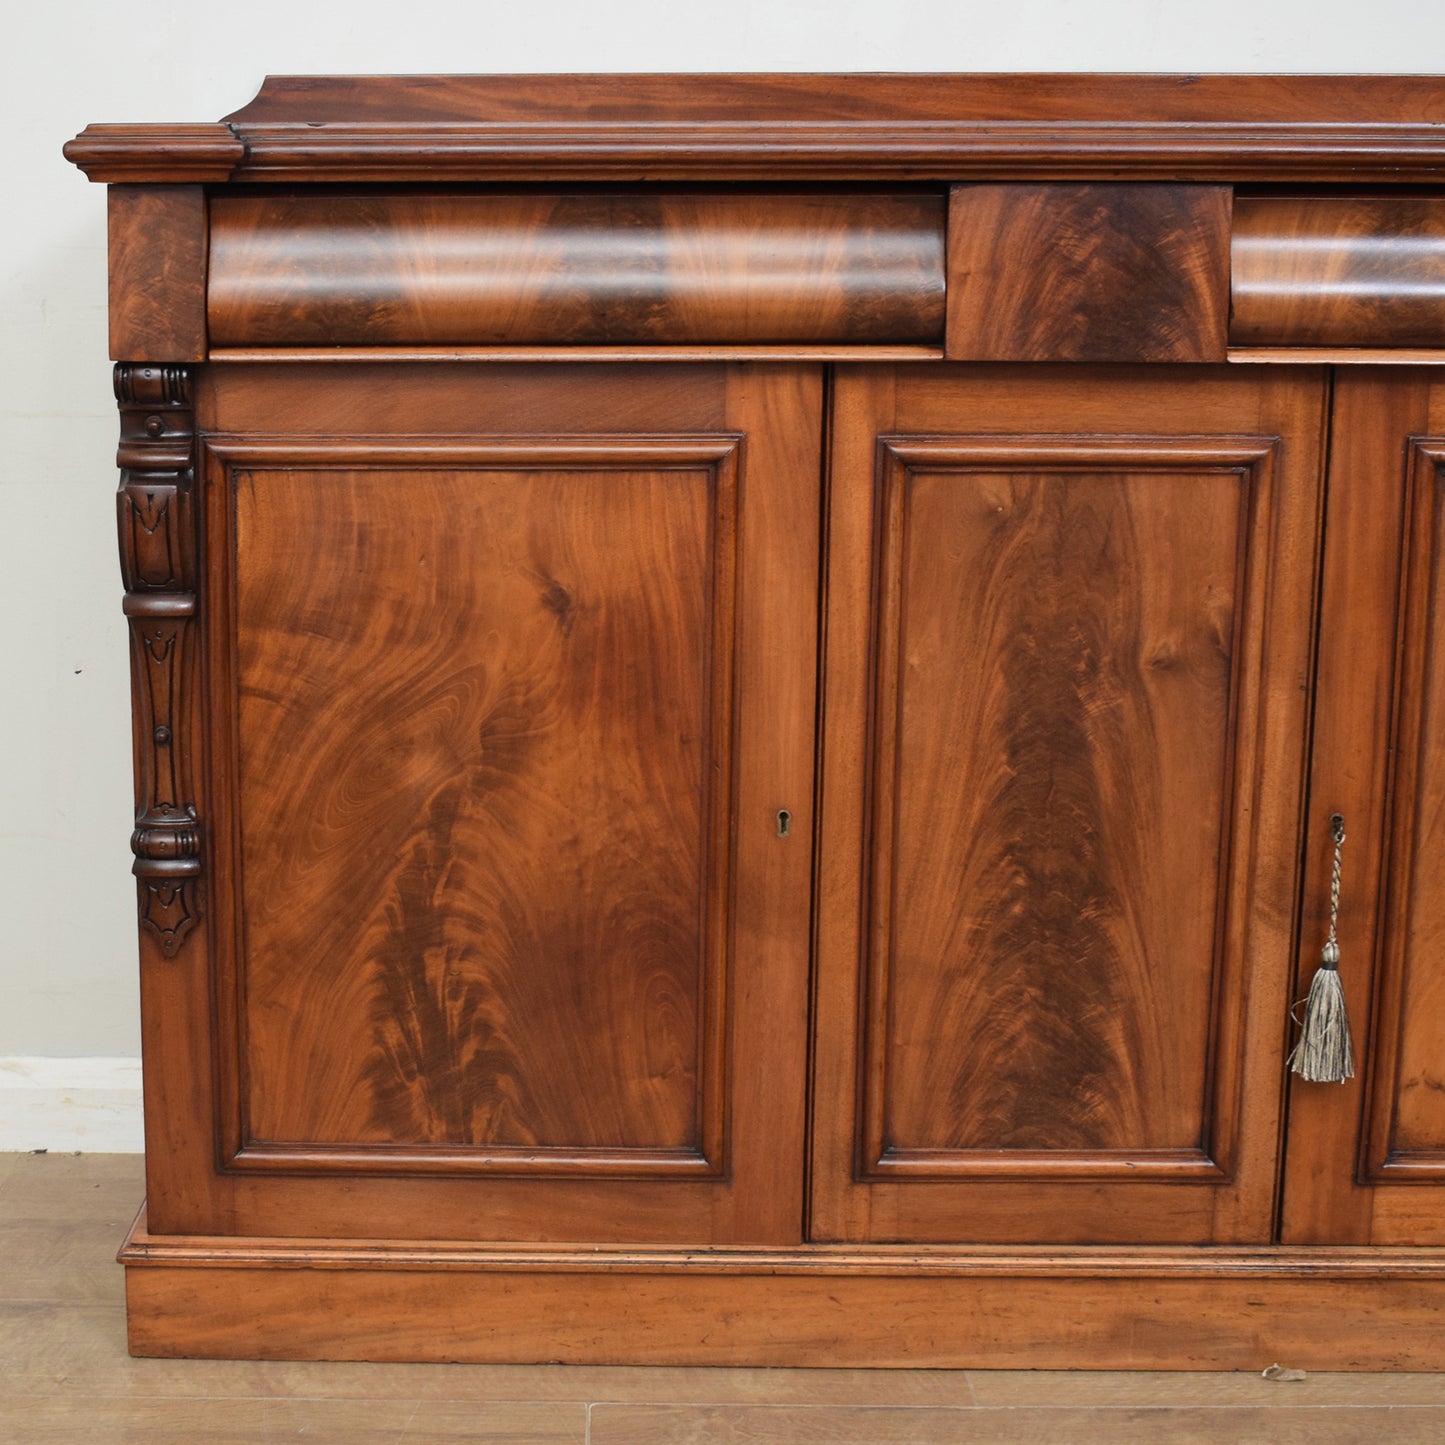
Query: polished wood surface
(578,269)
(763,97)
(1348,271)
(1363,1159)
(130,154)
(156,521)
(506,844)
(1088,273)
(1182,1310)
(1379,1150)
(157,243)
(1352,129)
(1056,676)
(384,355)
(1406,1141)
(1064,644)
(592,929)
(603,734)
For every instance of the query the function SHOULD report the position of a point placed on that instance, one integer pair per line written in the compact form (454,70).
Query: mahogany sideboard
(741,685)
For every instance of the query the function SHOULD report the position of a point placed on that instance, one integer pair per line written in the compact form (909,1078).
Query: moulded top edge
(844,98)
(1363,129)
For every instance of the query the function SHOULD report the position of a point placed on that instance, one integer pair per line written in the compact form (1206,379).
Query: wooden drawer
(1346,271)
(1098,271)
(577,269)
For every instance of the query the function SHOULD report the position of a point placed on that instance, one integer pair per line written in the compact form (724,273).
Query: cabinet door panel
(1078,644)
(1056,657)
(488,906)
(507,941)
(1366,1160)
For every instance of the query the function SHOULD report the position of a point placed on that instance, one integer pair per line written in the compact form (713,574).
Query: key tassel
(1324,1053)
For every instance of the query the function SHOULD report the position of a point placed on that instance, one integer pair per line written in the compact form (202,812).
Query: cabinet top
(759,127)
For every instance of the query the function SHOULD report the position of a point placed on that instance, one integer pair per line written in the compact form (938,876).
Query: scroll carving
(155,506)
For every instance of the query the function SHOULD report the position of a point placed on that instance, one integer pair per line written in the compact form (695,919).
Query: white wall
(66,902)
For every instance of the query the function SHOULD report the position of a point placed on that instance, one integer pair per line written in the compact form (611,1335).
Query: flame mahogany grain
(532,128)
(1362,1161)
(1066,602)
(1088,273)
(157,240)
(1356,271)
(586,269)
(675,823)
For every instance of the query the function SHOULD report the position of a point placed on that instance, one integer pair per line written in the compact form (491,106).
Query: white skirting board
(64,1105)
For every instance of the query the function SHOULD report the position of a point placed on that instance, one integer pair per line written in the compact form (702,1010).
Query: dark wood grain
(484,688)
(1056,659)
(768,97)
(502,844)
(156,513)
(157,243)
(1356,271)
(476,678)
(172,154)
(1088,273)
(1160,1309)
(1364,1161)
(1406,1137)
(576,269)
(157,526)
(1352,129)
(1067,646)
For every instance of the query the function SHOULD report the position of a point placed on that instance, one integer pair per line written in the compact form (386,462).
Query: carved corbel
(157,523)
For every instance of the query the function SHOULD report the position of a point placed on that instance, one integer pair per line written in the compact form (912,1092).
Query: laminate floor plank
(792,1425)
(1114,1388)
(491,1422)
(47,1347)
(59,1260)
(100,1421)
(93,1188)
(9,1167)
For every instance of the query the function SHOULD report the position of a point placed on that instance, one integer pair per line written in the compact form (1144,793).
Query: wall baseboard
(87,1104)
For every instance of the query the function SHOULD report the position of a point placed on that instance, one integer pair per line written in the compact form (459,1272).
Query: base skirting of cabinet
(1160,1309)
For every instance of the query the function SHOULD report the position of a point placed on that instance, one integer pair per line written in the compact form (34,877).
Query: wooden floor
(65,1376)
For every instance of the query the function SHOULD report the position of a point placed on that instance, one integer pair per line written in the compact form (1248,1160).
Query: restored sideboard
(741,691)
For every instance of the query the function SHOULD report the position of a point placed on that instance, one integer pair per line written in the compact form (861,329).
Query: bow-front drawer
(1338,271)
(585,269)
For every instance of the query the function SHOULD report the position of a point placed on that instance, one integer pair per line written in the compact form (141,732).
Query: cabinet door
(1067,655)
(510,673)
(1366,1161)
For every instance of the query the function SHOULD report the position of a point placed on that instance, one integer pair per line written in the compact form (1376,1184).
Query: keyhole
(785,821)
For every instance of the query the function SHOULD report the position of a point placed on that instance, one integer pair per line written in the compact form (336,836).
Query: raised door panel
(1075,614)
(1366,1160)
(484,896)
(507,936)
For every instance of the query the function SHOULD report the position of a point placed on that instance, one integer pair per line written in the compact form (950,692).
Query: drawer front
(1348,271)
(1091,272)
(581,270)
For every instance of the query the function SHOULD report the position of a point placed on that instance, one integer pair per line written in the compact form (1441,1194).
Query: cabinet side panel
(476,708)
(1063,670)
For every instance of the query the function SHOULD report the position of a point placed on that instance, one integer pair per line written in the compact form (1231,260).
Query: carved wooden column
(158,563)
